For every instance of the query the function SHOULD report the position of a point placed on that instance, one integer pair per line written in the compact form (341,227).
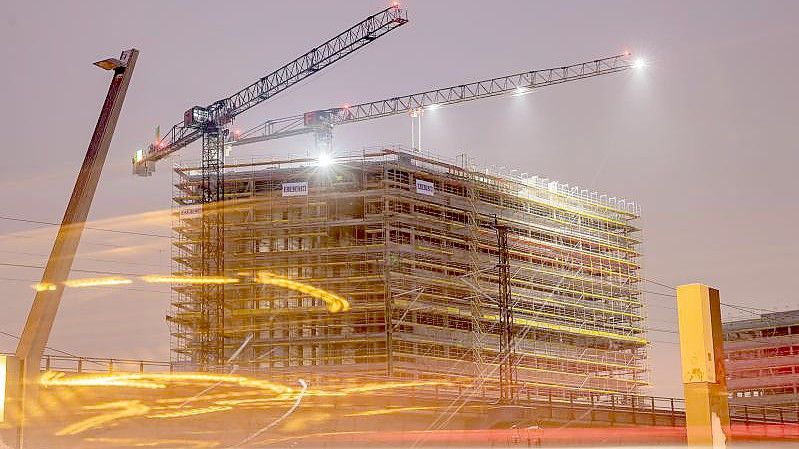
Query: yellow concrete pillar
(10,397)
(9,386)
(701,348)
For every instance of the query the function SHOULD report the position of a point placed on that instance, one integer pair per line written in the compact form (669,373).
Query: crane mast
(321,122)
(210,123)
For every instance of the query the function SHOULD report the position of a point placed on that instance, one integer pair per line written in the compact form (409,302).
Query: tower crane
(321,122)
(210,123)
(197,120)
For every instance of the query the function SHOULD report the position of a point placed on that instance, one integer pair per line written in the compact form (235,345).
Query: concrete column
(10,400)
(703,375)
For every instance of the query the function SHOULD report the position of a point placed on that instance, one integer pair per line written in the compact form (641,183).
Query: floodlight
(110,64)
(325,160)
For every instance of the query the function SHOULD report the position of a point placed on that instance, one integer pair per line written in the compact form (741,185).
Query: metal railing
(78,364)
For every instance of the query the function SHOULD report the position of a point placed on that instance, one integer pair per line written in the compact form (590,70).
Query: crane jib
(224,111)
(321,121)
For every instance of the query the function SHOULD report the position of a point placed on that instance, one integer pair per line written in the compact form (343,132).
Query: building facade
(410,242)
(762,359)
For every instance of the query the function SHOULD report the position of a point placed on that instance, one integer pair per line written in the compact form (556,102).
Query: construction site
(415,245)
(384,297)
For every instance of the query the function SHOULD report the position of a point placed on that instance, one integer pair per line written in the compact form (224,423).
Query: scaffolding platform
(408,239)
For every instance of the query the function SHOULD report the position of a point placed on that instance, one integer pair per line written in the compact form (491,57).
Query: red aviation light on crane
(395,4)
(627,53)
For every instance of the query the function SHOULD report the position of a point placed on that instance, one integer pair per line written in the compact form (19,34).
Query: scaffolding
(410,241)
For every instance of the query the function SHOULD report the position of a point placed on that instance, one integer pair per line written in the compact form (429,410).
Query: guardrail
(101,365)
(78,364)
(621,409)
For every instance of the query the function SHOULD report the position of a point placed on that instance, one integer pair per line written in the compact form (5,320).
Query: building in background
(410,241)
(762,359)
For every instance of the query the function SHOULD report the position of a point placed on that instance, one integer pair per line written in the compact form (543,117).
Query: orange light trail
(272,397)
(335,303)
(157,380)
(43,287)
(161,279)
(388,411)
(94,282)
(141,442)
(191,412)
(121,409)
(58,379)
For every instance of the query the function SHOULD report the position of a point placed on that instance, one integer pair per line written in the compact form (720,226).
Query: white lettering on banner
(295,189)
(194,211)
(425,188)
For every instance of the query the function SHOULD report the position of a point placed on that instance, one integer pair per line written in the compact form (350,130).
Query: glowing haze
(703,137)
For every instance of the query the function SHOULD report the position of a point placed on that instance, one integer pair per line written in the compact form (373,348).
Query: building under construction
(411,242)
(762,360)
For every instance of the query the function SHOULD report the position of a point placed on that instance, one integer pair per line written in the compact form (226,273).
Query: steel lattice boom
(322,121)
(225,110)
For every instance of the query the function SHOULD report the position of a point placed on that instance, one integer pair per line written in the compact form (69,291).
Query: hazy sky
(704,139)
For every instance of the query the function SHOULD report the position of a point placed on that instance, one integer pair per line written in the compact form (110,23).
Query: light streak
(281,418)
(388,411)
(378,386)
(335,303)
(191,411)
(94,282)
(307,420)
(256,393)
(260,401)
(161,279)
(43,287)
(123,409)
(57,379)
(136,442)
(232,370)
(157,380)
(216,398)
